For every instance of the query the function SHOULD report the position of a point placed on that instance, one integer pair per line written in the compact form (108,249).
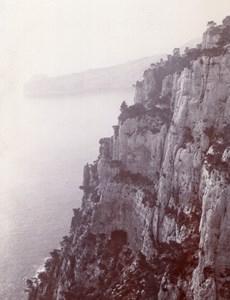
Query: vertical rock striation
(155,215)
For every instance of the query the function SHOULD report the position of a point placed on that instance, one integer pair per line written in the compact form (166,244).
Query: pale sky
(64,36)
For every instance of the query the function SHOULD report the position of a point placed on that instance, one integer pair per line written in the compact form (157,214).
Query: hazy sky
(64,36)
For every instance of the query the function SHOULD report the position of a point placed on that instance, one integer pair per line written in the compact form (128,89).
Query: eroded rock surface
(155,215)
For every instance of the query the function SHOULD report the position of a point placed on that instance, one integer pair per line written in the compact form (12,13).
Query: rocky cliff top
(155,215)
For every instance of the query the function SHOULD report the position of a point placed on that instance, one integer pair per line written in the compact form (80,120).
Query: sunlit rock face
(155,216)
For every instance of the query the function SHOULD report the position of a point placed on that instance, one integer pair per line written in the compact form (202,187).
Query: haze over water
(45,144)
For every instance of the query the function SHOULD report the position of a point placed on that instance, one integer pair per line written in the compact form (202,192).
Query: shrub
(55,254)
(116,163)
(209,131)
(226,21)
(208,272)
(123,106)
(211,23)
(131,178)
(132,111)
(187,136)
(213,52)
(170,211)
(214,30)
(149,198)
(165,99)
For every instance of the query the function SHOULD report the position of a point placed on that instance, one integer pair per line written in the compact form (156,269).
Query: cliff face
(155,216)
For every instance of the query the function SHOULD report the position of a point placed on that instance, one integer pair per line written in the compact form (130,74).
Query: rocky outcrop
(155,215)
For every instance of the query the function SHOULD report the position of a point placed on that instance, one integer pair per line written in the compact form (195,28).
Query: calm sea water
(44,144)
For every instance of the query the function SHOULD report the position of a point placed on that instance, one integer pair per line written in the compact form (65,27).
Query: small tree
(176,52)
(186,50)
(123,106)
(211,24)
(224,37)
(226,21)
(29,285)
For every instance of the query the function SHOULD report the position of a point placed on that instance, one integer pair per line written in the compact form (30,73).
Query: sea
(44,144)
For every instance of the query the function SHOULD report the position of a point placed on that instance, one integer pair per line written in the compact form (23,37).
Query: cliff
(155,215)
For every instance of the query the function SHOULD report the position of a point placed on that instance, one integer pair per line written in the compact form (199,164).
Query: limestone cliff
(155,215)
